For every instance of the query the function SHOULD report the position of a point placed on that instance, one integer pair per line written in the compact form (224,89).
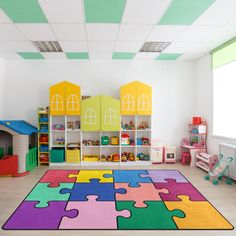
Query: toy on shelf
(103,158)
(91,158)
(105,140)
(220,169)
(143,157)
(125,140)
(73,125)
(43,138)
(115,157)
(127,156)
(60,141)
(128,126)
(114,140)
(143,125)
(144,141)
(58,127)
(88,142)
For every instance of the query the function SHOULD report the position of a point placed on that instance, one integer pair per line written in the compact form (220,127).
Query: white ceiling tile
(223,34)
(166,33)
(190,57)
(102,31)
(10,32)
(146,55)
(179,47)
(128,46)
(232,22)
(54,55)
(100,55)
(74,46)
(4,48)
(62,11)
(200,48)
(10,55)
(219,13)
(144,11)
(4,18)
(21,46)
(37,32)
(69,31)
(134,32)
(101,46)
(196,34)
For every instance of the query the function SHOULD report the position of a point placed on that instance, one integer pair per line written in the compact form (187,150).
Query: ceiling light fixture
(154,46)
(47,46)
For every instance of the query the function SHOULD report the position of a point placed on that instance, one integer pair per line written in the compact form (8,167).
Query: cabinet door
(72,99)
(57,100)
(90,114)
(144,99)
(128,98)
(110,114)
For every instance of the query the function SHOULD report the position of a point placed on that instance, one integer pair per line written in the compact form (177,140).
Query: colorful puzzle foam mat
(115,199)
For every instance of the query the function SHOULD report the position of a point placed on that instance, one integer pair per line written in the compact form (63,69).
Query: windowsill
(223,137)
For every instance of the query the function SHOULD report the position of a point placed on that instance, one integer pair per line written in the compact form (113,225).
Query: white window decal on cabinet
(110,117)
(143,103)
(128,103)
(57,103)
(90,117)
(73,103)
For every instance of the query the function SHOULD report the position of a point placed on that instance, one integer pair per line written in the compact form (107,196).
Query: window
(143,103)
(73,103)
(57,103)
(224,90)
(128,103)
(110,117)
(90,117)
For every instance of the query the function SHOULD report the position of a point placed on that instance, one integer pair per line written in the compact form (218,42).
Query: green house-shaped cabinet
(100,113)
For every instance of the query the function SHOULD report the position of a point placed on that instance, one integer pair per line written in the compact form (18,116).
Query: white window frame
(90,117)
(56,102)
(110,117)
(73,103)
(143,102)
(128,103)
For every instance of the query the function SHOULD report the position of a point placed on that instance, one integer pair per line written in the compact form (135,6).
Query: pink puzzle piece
(93,214)
(146,192)
(55,177)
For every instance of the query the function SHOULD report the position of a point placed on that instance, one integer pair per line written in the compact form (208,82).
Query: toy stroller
(219,170)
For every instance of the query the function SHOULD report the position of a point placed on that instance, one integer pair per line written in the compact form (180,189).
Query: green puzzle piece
(44,194)
(154,216)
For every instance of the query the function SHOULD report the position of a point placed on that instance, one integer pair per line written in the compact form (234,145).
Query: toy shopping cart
(220,169)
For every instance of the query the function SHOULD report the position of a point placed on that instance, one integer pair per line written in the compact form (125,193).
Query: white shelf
(55,130)
(110,146)
(64,164)
(202,167)
(73,130)
(91,146)
(202,158)
(144,146)
(143,130)
(62,146)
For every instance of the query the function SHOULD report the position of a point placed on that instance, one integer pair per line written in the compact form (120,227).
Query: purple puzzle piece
(27,216)
(176,189)
(160,176)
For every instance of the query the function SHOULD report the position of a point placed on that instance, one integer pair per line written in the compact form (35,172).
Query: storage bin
(43,119)
(170,154)
(72,156)
(57,155)
(43,148)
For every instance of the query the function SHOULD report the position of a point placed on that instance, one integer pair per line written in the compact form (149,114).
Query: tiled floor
(223,197)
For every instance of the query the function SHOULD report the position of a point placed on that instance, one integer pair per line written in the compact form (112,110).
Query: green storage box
(1,152)
(32,159)
(57,155)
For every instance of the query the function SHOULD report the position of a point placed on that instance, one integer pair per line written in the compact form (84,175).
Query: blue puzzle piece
(129,176)
(104,191)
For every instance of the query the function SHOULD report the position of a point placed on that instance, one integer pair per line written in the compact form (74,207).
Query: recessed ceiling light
(154,46)
(48,46)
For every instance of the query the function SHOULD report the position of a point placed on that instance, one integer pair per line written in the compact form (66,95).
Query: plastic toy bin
(72,156)
(57,155)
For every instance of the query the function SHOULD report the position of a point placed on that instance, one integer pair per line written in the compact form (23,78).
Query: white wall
(204,100)
(2,78)
(27,87)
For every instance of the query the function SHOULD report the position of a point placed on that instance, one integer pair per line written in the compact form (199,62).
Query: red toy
(9,166)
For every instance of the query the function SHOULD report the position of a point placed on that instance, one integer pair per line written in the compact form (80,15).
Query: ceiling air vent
(48,46)
(154,46)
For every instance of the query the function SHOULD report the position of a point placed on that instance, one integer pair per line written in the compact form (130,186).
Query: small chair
(186,157)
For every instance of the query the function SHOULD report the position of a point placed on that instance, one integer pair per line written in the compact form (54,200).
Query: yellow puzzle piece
(199,215)
(85,176)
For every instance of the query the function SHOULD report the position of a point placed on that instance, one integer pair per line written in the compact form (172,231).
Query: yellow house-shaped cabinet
(100,113)
(136,99)
(65,99)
